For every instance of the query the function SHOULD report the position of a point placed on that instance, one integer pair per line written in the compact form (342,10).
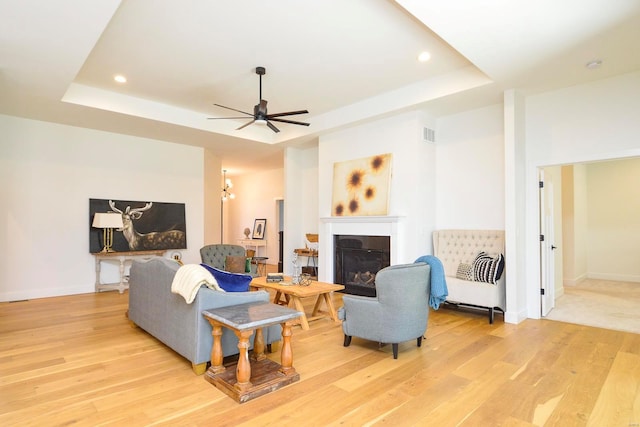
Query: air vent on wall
(428,135)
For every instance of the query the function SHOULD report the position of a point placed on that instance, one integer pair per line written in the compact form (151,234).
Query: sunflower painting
(361,186)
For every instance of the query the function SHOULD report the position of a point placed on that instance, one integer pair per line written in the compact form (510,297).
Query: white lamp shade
(107,220)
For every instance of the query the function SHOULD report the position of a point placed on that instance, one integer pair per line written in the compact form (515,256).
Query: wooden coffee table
(247,382)
(287,294)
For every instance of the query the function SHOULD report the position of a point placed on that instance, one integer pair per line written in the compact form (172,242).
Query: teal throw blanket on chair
(438,283)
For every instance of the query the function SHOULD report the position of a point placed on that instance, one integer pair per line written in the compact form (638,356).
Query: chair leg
(491,316)
(394,346)
(419,340)
(347,340)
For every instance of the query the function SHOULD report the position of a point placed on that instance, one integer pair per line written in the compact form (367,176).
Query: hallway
(600,303)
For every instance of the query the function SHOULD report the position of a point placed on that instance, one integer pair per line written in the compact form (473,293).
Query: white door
(547,258)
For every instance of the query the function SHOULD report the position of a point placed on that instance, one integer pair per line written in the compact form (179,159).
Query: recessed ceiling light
(120,78)
(424,56)
(596,63)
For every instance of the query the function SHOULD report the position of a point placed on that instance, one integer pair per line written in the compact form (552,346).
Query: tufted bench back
(453,247)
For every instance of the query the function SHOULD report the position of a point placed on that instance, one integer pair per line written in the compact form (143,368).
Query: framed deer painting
(147,225)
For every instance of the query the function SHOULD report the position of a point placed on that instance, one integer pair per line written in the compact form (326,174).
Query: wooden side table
(254,243)
(122,258)
(293,295)
(250,380)
(312,259)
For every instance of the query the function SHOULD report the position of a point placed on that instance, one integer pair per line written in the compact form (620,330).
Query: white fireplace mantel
(356,226)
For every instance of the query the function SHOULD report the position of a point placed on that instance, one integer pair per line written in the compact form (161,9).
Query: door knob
(553,247)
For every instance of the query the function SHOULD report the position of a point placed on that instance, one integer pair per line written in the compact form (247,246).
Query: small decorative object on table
(297,270)
(305,279)
(275,277)
(311,241)
(247,231)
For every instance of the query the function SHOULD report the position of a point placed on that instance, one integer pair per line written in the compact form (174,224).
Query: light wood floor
(76,361)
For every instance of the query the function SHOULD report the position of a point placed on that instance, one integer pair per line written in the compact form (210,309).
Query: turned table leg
(258,346)
(216,348)
(286,354)
(97,273)
(243,369)
(122,269)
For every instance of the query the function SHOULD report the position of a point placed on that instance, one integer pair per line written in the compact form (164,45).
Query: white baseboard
(515,317)
(614,277)
(44,293)
(574,281)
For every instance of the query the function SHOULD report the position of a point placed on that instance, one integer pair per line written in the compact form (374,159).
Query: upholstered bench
(457,250)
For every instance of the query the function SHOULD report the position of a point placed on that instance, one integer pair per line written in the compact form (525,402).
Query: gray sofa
(177,324)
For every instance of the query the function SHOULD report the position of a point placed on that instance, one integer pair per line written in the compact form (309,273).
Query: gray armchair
(398,313)
(216,255)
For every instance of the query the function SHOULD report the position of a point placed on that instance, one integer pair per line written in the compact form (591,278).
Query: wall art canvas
(259,226)
(361,186)
(147,225)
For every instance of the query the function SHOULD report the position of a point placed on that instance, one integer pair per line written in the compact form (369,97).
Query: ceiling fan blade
(272,127)
(289,113)
(233,109)
(220,118)
(246,124)
(289,121)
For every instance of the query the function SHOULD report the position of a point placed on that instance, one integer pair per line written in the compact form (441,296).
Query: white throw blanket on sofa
(188,280)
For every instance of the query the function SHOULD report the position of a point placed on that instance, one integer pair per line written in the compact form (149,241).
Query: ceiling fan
(260,114)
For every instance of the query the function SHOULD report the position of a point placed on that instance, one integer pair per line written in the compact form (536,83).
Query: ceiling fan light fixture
(261,122)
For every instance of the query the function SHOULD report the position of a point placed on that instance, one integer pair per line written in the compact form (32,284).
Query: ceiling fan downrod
(261,71)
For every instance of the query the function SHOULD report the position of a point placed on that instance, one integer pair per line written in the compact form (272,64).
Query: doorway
(597,232)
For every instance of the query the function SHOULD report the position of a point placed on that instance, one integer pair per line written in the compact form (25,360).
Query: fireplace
(358,259)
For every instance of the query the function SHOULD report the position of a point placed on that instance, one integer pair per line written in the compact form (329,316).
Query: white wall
(581,123)
(580,222)
(413,186)
(613,232)
(300,201)
(568,227)
(48,174)
(470,170)
(256,196)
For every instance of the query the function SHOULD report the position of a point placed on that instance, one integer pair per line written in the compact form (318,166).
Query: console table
(254,243)
(122,258)
(312,258)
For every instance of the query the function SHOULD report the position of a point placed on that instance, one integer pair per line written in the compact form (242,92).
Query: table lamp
(107,221)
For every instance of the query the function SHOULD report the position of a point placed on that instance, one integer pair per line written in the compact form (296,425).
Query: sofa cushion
(487,269)
(465,271)
(230,282)
(235,264)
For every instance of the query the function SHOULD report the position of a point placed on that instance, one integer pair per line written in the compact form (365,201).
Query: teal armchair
(399,311)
